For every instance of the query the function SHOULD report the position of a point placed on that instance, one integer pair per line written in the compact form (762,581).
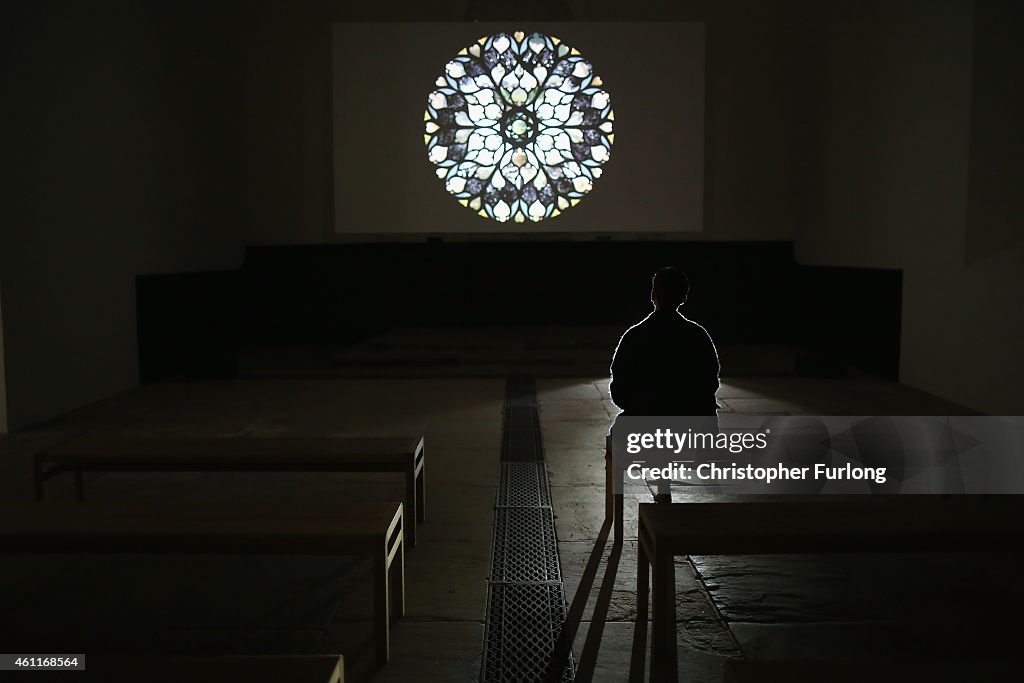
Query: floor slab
(289,605)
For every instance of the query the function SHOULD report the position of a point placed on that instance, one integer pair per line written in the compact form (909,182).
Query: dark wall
(123,135)
(741,292)
(995,204)
(847,316)
(336,293)
(189,324)
(917,165)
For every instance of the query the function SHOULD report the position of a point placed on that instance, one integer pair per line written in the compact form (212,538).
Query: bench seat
(910,523)
(372,530)
(127,453)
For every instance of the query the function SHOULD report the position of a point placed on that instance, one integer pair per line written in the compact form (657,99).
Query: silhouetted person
(667,364)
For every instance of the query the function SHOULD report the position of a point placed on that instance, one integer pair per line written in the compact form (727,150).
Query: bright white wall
(653,182)
(754,118)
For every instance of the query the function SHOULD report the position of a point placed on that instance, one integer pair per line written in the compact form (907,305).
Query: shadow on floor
(585,667)
(563,646)
(588,657)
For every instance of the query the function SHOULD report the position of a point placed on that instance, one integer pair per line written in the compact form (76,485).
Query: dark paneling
(191,325)
(849,316)
(741,292)
(188,325)
(335,293)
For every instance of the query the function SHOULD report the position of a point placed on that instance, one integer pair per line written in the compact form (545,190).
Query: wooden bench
(614,503)
(869,524)
(939,670)
(368,529)
(228,669)
(124,453)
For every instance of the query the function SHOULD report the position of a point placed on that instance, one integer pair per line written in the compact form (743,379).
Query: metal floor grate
(524,547)
(525,599)
(523,624)
(524,484)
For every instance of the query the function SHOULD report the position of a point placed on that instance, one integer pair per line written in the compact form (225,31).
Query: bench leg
(619,524)
(614,503)
(381,611)
(663,626)
(79,485)
(421,493)
(396,572)
(643,569)
(642,588)
(411,503)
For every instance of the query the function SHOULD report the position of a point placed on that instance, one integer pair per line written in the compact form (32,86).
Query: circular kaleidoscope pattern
(518,127)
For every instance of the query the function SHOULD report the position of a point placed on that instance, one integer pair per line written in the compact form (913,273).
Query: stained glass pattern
(518,127)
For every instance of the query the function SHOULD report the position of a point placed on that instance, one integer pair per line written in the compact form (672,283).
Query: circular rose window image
(518,127)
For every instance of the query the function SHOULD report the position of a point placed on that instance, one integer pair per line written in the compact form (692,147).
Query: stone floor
(769,607)
(761,607)
(220,604)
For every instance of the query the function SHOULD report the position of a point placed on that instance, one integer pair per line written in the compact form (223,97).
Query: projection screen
(538,128)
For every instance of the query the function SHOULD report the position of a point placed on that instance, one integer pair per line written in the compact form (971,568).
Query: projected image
(518,127)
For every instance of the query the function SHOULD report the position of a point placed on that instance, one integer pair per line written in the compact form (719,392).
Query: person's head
(669,288)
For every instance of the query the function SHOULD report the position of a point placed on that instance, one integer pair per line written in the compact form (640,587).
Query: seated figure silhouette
(666,364)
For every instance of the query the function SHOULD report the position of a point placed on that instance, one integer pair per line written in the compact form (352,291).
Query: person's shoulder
(633,333)
(695,327)
(637,327)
